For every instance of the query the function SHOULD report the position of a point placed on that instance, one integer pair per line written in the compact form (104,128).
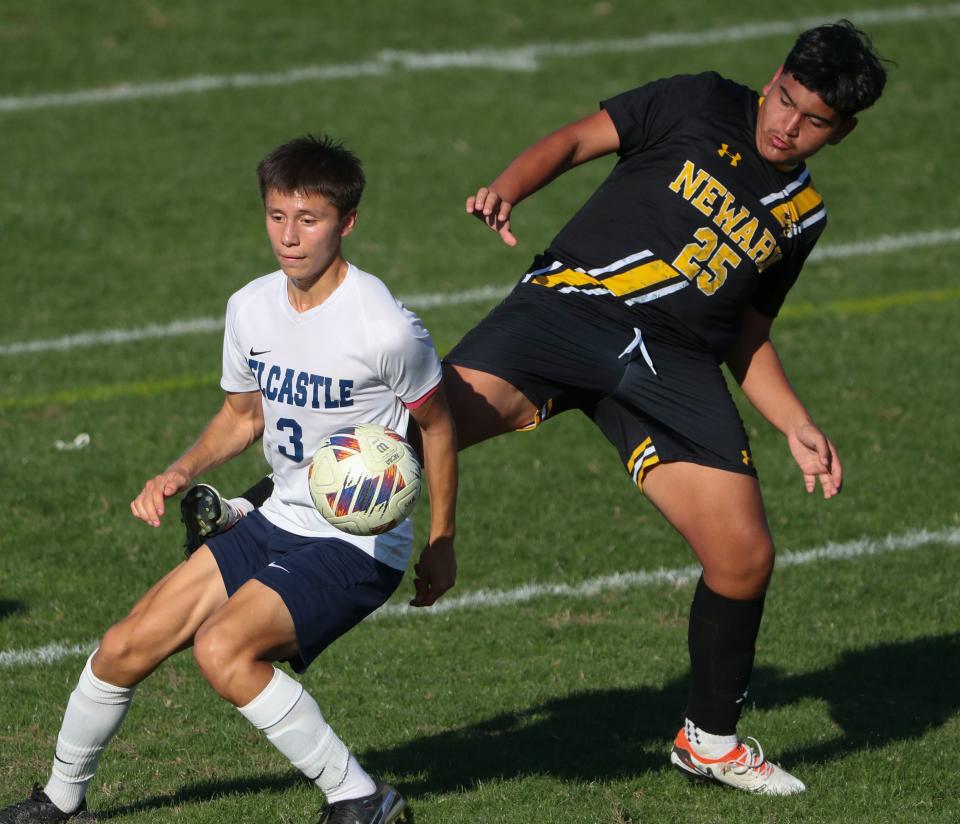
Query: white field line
(49,654)
(884,244)
(491,599)
(519,58)
(914,539)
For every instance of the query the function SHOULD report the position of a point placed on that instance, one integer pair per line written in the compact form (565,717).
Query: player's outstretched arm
(436,570)
(755,365)
(537,165)
(237,425)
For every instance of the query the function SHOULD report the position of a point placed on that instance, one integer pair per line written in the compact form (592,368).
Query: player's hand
(436,572)
(817,458)
(493,210)
(148,506)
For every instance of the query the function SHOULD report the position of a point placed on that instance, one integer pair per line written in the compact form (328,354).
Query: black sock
(259,492)
(722,638)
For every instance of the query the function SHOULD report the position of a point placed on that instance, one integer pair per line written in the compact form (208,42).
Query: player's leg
(484,405)
(311,594)
(530,358)
(162,622)
(720,514)
(719,511)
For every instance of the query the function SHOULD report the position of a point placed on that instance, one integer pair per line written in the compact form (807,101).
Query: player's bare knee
(215,654)
(483,405)
(740,569)
(120,657)
(757,565)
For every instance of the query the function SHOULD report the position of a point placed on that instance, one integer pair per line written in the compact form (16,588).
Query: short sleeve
(237,376)
(408,362)
(645,115)
(777,281)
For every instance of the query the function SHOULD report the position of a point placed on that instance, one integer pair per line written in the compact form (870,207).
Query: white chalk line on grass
(914,539)
(491,599)
(884,244)
(194,326)
(527,57)
(49,654)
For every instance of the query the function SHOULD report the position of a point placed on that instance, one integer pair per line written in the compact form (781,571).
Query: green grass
(118,215)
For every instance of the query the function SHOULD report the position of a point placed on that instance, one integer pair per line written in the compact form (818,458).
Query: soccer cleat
(742,767)
(204,512)
(38,809)
(385,806)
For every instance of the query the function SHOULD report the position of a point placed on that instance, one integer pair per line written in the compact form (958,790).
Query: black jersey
(692,225)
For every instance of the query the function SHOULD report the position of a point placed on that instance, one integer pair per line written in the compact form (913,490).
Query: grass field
(130,204)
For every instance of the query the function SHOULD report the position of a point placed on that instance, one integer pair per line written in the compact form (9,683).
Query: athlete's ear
(843,130)
(774,79)
(348,222)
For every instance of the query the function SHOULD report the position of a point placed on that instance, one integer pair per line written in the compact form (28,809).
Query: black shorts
(655,402)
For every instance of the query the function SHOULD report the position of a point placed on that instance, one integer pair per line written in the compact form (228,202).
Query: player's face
(305,232)
(794,123)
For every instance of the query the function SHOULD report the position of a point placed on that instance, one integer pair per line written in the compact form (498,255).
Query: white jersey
(356,358)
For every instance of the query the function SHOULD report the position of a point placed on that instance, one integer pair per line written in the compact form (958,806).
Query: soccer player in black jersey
(677,264)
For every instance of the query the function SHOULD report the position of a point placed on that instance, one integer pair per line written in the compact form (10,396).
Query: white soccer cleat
(743,767)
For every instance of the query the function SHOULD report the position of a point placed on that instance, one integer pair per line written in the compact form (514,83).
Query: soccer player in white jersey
(312,347)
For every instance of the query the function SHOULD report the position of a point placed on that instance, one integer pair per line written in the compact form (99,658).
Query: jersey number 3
(296,439)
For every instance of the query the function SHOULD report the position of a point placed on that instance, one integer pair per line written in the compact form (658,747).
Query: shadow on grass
(8,608)
(877,696)
(207,791)
(893,692)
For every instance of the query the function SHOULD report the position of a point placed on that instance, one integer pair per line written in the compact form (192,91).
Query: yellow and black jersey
(692,225)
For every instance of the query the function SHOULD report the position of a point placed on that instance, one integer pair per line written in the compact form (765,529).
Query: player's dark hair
(314,166)
(838,62)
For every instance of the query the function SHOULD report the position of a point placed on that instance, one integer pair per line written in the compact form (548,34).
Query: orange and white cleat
(744,767)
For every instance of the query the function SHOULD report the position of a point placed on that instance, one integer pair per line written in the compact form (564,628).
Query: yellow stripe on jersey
(641,277)
(566,277)
(807,200)
(621,284)
(790,212)
(786,214)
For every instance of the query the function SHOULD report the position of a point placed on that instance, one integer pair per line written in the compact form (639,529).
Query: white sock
(706,743)
(293,723)
(242,505)
(94,713)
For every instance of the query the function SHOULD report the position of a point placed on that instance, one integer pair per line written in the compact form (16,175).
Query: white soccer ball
(365,479)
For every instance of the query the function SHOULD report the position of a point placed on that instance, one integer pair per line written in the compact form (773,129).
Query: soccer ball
(364,479)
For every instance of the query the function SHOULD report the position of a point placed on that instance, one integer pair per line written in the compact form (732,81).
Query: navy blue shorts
(656,402)
(328,585)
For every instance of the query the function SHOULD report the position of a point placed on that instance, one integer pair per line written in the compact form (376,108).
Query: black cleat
(385,806)
(204,512)
(38,809)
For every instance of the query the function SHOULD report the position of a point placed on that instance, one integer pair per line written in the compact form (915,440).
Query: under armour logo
(746,458)
(724,151)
